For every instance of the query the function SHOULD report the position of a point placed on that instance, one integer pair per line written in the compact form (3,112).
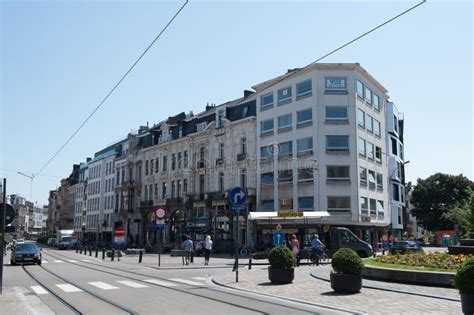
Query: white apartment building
(322,151)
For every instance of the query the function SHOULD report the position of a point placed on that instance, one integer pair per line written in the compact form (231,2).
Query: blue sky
(60,58)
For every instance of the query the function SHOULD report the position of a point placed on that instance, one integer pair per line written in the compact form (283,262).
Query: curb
(432,296)
(218,282)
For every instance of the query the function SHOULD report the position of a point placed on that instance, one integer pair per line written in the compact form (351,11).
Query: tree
(440,201)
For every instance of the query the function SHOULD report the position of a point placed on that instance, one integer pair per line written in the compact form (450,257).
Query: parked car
(26,253)
(405,247)
(51,241)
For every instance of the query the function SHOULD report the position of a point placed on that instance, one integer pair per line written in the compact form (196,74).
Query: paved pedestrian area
(371,301)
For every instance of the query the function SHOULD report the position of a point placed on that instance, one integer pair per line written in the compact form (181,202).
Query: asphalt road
(69,283)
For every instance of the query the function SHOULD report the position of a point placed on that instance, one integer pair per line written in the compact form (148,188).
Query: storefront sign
(289,214)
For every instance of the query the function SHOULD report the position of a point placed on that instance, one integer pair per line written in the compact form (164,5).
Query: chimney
(88,159)
(247,93)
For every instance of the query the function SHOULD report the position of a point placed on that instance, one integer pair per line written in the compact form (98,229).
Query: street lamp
(396,169)
(31,177)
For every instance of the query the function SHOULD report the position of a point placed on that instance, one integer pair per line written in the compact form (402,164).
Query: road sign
(237,209)
(120,231)
(238,196)
(74,236)
(278,238)
(160,212)
(160,224)
(278,227)
(9,214)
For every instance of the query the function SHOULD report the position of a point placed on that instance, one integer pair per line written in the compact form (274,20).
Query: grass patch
(374,262)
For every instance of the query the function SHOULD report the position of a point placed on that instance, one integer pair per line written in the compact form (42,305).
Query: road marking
(199,278)
(68,287)
(185,281)
(58,261)
(160,282)
(38,289)
(85,260)
(103,285)
(133,284)
(44,261)
(72,261)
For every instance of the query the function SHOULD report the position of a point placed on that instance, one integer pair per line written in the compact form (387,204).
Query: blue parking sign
(278,238)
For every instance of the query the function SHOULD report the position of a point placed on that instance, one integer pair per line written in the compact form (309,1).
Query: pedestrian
(188,248)
(207,249)
(385,243)
(198,248)
(316,247)
(295,248)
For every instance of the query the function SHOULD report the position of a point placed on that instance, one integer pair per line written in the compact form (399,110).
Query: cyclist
(316,247)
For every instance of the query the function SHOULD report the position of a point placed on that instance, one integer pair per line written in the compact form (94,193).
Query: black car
(26,253)
(405,247)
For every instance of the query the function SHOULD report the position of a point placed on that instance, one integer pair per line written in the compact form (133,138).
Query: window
(201,184)
(306,203)
(360,118)
(185,159)
(363,176)
(395,123)
(339,203)
(165,163)
(179,189)
(394,146)
(337,172)
(179,160)
(364,205)
(305,174)
(221,182)
(380,208)
(243,145)
(156,192)
(285,122)
(146,192)
(303,88)
(173,162)
(304,117)
(146,167)
(163,190)
(266,178)
(201,153)
(372,181)
(379,182)
(370,150)
(268,205)
(221,150)
(305,146)
(151,166)
(185,186)
(266,101)
(285,176)
(368,95)
(378,154)
(285,149)
(376,101)
(360,89)
(373,206)
(286,204)
(266,126)
(201,126)
(370,123)
(173,189)
(336,84)
(284,95)
(336,113)
(243,178)
(400,150)
(266,152)
(361,146)
(337,143)
(377,128)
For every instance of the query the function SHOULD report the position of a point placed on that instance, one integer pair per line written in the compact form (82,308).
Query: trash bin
(446,240)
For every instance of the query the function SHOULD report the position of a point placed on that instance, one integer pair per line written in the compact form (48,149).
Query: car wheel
(39,262)
(12,263)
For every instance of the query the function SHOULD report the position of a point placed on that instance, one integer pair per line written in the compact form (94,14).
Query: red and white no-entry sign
(119,232)
(160,212)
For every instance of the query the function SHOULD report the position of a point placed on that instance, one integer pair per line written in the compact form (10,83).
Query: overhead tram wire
(112,90)
(284,77)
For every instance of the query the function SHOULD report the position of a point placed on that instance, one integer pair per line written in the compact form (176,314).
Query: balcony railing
(241,156)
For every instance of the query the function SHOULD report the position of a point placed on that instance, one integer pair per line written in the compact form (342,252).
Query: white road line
(68,287)
(85,260)
(58,261)
(160,282)
(185,281)
(103,285)
(72,260)
(45,262)
(133,284)
(199,278)
(38,289)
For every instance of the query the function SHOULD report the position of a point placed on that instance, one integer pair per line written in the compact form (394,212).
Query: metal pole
(2,230)
(237,248)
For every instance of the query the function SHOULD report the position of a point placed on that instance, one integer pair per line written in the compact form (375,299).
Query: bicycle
(321,257)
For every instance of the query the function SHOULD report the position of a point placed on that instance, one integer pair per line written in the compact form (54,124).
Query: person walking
(188,248)
(207,249)
(295,248)
(316,247)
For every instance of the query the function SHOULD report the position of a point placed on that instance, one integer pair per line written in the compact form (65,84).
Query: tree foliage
(440,201)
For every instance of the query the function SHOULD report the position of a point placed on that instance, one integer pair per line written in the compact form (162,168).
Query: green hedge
(281,257)
(345,260)
(464,279)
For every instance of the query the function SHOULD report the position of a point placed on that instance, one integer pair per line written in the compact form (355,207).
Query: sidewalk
(371,301)
(16,300)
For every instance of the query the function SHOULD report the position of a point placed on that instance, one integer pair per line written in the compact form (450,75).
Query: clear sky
(60,58)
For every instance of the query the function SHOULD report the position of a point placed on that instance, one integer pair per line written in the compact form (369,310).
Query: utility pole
(2,230)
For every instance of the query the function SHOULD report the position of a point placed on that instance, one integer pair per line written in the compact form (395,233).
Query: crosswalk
(121,284)
(59,261)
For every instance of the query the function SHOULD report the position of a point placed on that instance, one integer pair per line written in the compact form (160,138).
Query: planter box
(467,303)
(281,275)
(347,283)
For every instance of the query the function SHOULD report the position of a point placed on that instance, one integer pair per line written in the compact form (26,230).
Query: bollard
(119,253)
(85,250)
(192,256)
(90,251)
(113,255)
(103,253)
(250,263)
(96,252)
(80,250)
(140,257)
(77,249)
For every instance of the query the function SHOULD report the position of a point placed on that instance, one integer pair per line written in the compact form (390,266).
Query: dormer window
(201,126)
(220,114)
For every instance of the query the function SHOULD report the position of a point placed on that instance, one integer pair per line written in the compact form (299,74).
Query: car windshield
(27,247)
(66,239)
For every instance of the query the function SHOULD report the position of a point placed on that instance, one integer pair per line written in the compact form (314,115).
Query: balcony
(200,164)
(241,156)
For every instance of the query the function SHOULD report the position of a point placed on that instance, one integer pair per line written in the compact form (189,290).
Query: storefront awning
(261,215)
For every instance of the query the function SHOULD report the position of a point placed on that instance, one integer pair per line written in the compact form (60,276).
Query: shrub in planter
(464,282)
(281,269)
(347,266)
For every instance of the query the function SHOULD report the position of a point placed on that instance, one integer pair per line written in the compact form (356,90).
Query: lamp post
(396,169)
(31,177)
